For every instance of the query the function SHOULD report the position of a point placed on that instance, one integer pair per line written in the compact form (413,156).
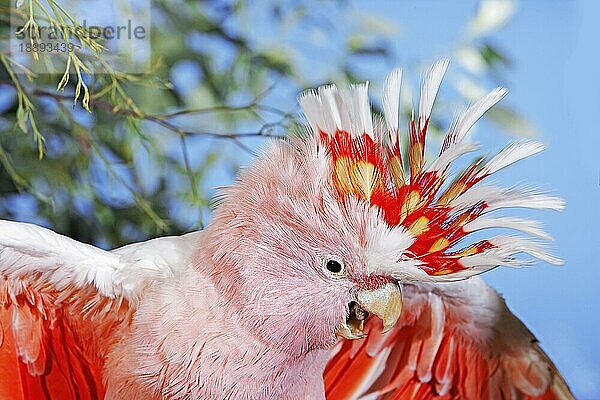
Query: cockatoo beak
(385,303)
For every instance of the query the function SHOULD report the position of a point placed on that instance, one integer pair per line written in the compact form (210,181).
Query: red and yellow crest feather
(366,162)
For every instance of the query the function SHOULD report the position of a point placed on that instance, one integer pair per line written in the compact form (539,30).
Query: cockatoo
(338,267)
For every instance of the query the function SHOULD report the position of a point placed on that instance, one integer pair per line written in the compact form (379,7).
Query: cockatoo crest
(366,161)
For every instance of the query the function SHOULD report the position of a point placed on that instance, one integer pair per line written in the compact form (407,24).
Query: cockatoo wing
(454,340)
(62,304)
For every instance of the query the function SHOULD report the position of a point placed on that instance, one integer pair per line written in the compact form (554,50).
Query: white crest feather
(447,157)
(386,246)
(361,108)
(311,105)
(504,251)
(429,90)
(391,103)
(329,111)
(520,224)
(503,254)
(496,198)
(329,96)
(465,121)
(510,154)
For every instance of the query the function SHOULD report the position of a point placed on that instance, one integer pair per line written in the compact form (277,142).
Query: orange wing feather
(51,348)
(430,354)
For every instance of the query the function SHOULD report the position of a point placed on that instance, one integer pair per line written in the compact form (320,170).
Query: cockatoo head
(324,229)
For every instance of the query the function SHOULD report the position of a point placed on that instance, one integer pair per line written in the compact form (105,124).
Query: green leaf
(511,122)
(493,57)
(21,119)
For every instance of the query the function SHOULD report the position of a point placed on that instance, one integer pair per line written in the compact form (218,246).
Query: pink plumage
(324,243)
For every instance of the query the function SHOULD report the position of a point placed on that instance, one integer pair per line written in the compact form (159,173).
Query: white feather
(328,109)
(391,103)
(524,225)
(463,124)
(313,109)
(429,90)
(496,198)
(385,245)
(379,128)
(332,105)
(454,152)
(345,117)
(28,251)
(362,108)
(506,247)
(510,154)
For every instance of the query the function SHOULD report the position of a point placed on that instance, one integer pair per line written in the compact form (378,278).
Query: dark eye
(333,266)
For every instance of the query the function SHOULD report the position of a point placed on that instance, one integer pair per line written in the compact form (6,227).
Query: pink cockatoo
(328,271)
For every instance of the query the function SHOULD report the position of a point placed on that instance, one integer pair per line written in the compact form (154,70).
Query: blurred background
(136,156)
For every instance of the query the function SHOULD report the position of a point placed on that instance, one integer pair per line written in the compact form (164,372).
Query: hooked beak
(385,303)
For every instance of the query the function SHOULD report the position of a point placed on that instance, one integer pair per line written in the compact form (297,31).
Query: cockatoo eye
(334,266)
